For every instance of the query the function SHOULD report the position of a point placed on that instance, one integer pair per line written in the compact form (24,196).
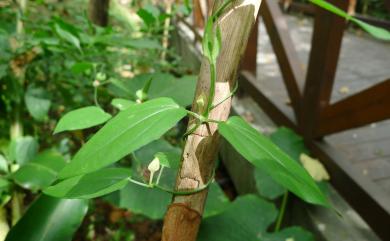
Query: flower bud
(154,165)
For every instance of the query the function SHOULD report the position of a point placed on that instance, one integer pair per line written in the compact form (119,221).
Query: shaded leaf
(67,36)
(216,202)
(125,133)
(122,104)
(262,153)
(49,219)
(247,218)
(40,172)
(23,149)
(290,142)
(3,164)
(82,118)
(150,202)
(37,103)
(291,233)
(91,185)
(267,186)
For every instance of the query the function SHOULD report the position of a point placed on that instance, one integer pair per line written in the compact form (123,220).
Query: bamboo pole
(183,217)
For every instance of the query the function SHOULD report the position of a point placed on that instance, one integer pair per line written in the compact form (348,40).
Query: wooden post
(326,45)
(183,217)
(249,62)
(98,12)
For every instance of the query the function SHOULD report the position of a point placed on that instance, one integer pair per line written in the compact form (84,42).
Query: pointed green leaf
(49,219)
(125,133)
(40,172)
(91,185)
(377,32)
(262,153)
(81,119)
(67,36)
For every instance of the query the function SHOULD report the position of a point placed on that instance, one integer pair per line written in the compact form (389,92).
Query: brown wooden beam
(365,107)
(289,63)
(326,44)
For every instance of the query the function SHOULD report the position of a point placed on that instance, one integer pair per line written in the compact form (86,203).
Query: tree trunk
(183,217)
(98,12)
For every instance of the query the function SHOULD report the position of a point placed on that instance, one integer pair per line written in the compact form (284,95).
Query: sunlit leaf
(377,32)
(125,133)
(81,119)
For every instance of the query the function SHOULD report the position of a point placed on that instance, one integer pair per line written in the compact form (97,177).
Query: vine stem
(282,211)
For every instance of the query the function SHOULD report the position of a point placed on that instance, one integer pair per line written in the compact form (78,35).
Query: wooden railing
(310,90)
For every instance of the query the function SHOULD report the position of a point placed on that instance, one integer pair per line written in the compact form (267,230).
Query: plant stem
(282,211)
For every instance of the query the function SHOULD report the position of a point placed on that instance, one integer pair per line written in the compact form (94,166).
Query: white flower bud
(96,83)
(154,165)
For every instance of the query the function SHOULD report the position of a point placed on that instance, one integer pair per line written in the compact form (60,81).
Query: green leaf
(291,143)
(4,186)
(143,43)
(91,185)
(49,219)
(81,119)
(37,103)
(377,32)
(81,67)
(169,159)
(216,202)
(262,153)
(267,186)
(247,218)
(146,16)
(181,90)
(150,202)
(23,149)
(122,104)
(125,133)
(40,172)
(67,36)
